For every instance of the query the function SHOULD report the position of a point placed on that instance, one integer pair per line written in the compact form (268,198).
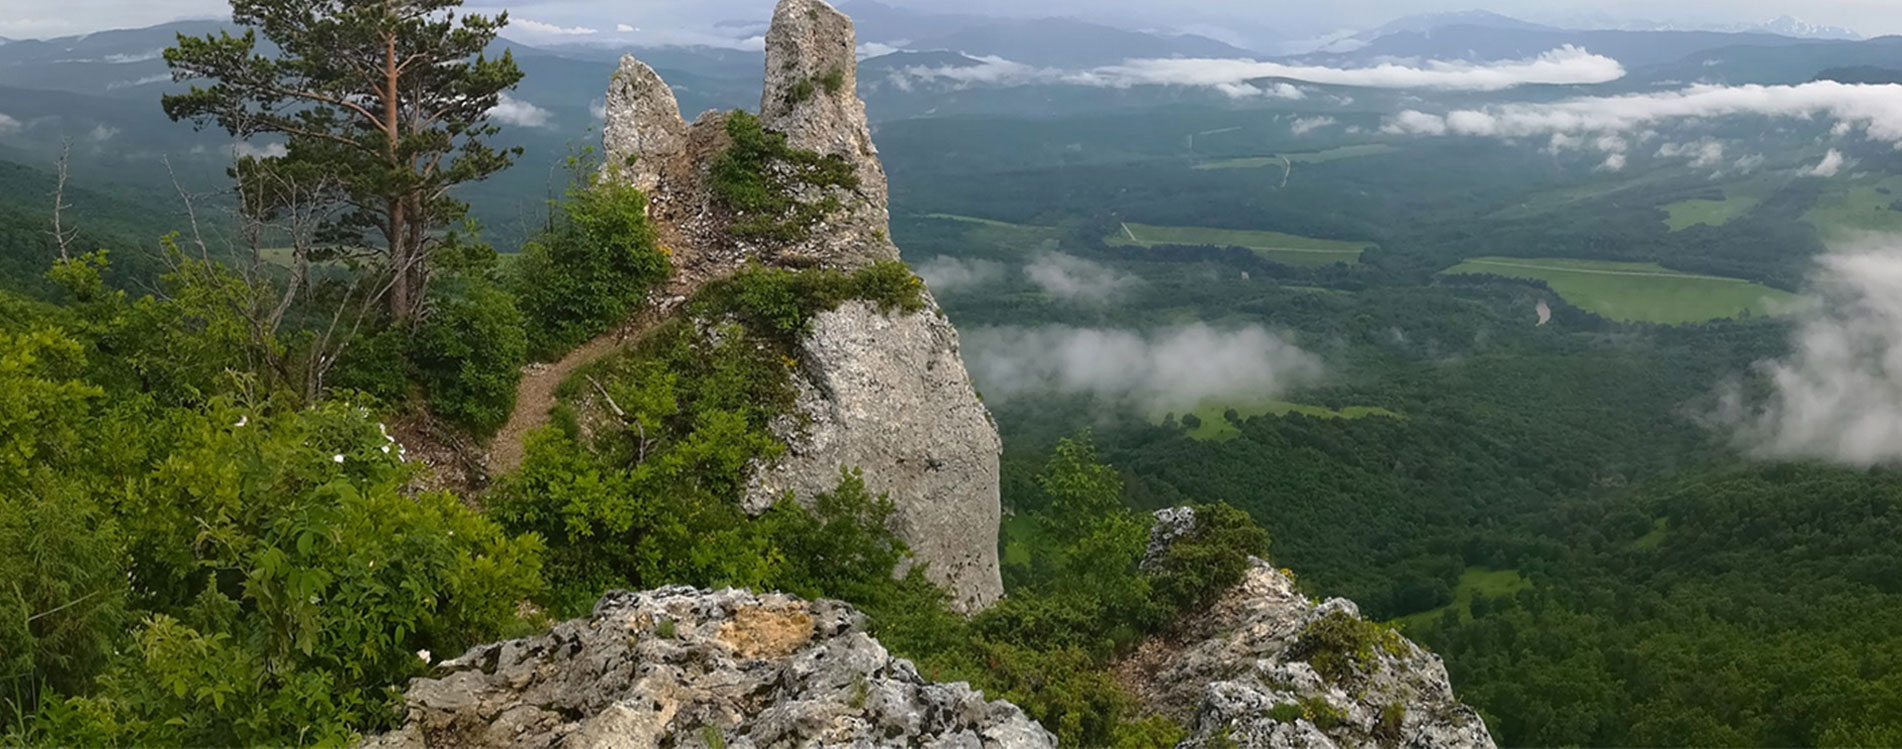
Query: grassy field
(1304,157)
(1287,249)
(1494,583)
(1216,427)
(1002,235)
(1639,292)
(1857,207)
(1685,214)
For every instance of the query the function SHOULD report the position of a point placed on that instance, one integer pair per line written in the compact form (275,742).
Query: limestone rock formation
(889,395)
(695,668)
(885,393)
(1267,667)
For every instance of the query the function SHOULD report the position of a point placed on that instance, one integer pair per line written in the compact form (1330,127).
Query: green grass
(1005,237)
(1217,428)
(1302,157)
(1639,292)
(1287,249)
(1493,583)
(1685,214)
(1858,207)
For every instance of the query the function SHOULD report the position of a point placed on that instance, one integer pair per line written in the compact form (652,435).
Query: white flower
(242,420)
(337,458)
(423,654)
(386,449)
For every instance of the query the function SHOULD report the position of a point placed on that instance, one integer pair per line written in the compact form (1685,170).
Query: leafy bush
(781,303)
(289,584)
(1212,557)
(758,177)
(1340,646)
(375,365)
(469,352)
(592,270)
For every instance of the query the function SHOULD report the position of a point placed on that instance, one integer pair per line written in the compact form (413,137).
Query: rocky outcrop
(885,393)
(693,668)
(888,394)
(1268,667)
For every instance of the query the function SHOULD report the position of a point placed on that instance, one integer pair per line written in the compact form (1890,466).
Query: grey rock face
(644,129)
(1237,674)
(888,394)
(693,668)
(811,95)
(1171,523)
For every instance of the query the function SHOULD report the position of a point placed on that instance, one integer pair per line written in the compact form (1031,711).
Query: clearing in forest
(1864,206)
(1304,157)
(1639,292)
(1493,583)
(1287,249)
(1214,425)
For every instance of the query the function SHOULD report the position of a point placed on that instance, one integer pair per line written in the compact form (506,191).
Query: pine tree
(391,96)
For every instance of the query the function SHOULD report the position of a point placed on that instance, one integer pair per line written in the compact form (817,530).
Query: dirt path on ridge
(535,394)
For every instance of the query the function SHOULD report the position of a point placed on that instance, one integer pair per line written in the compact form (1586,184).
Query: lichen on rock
(685,667)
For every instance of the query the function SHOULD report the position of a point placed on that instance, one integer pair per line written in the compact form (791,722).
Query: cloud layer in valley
(946,273)
(1074,279)
(513,111)
(1172,368)
(1837,395)
(1875,110)
(1566,65)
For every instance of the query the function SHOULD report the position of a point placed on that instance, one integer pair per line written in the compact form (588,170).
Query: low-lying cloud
(1073,279)
(1837,395)
(9,126)
(1236,77)
(1305,125)
(512,111)
(1173,368)
(551,29)
(946,273)
(1876,110)
(1830,166)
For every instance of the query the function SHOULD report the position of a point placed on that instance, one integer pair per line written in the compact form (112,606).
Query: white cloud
(9,126)
(1837,395)
(1566,65)
(1747,164)
(1832,164)
(1875,109)
(598,109)
(551,29)
(513,111)
(945,273)
(145,81)
(1305,125)
(1174,368)
(102,132)
(623,28)
(1075,279)
(1703,153)
(267,151)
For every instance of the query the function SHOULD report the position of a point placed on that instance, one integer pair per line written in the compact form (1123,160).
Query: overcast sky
(665,19)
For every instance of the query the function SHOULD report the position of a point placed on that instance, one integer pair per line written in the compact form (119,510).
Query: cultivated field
(1281,248)
(1639,292)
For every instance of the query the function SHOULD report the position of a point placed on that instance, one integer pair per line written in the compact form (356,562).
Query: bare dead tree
(62,235)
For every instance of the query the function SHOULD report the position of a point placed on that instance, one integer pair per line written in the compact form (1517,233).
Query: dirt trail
(535,394)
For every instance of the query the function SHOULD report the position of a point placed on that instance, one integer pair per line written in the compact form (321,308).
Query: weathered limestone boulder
(888,394)
(1266,667)
(696,668)
(884,393)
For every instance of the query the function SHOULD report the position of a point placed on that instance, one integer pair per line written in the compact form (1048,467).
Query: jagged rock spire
(644,128)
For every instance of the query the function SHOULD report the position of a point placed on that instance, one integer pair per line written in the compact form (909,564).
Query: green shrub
(1340,646)
(833,81)
(290,583)
(468,353)
(1209,560)
(781,303)
(375,365)
(758,176)
(592,270)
